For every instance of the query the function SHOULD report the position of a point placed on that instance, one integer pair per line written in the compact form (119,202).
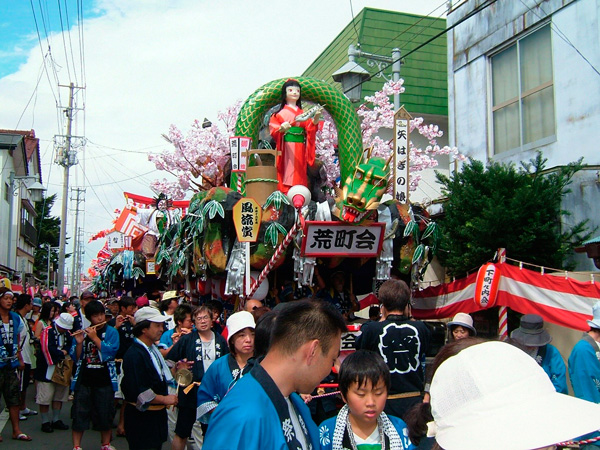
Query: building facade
(524,77)
(21,168)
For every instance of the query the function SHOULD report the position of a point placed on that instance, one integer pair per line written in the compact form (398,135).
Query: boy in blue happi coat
(364,380)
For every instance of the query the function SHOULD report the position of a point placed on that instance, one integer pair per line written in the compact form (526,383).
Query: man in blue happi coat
(584,368)
(264,410)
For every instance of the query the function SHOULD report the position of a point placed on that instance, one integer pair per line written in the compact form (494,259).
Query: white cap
(65,321)
(149,313)
(238,321)
(495,396)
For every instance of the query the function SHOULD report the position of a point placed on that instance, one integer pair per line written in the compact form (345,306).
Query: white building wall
(576,89)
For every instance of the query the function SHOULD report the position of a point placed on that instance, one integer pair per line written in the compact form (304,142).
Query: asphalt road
(58,440)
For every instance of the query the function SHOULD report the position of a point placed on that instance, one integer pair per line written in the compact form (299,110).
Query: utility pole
(80,253)
(65,157)
(48,277)
(80,192)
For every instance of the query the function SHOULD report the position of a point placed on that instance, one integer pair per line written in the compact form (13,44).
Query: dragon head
(362,192)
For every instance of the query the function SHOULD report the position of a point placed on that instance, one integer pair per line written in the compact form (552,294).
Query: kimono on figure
(146,375)
(334,433)
(220,378)
(255,415)
(295,148)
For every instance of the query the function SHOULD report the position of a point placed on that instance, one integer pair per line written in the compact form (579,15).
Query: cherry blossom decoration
(197,160)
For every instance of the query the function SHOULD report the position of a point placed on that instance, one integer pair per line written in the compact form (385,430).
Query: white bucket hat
(495,396)
(65,321)
(464,320)
(238,321)
(595,322)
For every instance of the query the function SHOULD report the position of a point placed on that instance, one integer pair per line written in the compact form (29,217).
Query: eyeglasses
(203,318)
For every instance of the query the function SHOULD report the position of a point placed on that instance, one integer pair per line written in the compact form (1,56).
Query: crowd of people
(161,370)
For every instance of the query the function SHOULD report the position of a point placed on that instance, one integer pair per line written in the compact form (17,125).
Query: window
(523,93)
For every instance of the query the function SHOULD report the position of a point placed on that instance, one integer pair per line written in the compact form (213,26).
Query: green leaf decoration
(429,231)
(138,272)
(272,232)
(276,199)
(198,225)
(411,228)
(418,254)
(213,208)
(162,255)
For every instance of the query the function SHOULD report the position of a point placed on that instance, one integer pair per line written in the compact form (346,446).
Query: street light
(36,192)
(352,75)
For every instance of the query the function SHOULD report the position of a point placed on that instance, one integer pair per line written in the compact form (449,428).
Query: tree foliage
(500,206)
(48,228)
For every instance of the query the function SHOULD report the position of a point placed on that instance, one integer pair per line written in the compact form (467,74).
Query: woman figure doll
(295,140)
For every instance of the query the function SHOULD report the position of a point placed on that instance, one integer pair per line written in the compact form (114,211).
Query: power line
(433,38)
(561,35)
(70,42)
(400,34)
(63,39)
(42,50)
(353,21)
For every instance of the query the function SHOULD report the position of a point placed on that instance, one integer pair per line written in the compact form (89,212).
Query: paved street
(58,440)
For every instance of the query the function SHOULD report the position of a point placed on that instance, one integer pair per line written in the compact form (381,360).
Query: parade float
(274,213)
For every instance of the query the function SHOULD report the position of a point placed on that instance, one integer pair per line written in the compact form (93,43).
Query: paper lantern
(486,285)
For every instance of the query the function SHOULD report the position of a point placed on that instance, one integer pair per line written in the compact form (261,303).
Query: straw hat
(494,396)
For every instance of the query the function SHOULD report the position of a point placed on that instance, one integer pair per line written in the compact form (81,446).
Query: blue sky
(18,33)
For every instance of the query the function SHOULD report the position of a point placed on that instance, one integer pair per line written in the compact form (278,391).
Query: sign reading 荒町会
(323,239)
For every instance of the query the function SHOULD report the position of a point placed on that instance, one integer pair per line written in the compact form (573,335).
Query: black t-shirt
(94,372)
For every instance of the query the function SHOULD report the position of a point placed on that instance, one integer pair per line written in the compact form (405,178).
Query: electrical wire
(561,35)
(428,41)
(42,51)
(353,21)
(386,45)
(62,28)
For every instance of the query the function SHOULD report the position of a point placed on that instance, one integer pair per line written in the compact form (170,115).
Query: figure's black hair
(288,83)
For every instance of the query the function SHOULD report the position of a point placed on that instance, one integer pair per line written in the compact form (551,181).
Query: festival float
(274,217)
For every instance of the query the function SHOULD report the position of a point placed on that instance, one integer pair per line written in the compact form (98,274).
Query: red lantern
(486,285)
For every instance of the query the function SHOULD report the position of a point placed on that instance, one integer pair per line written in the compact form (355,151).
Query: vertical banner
(401,152)
(238,147)
(247,215)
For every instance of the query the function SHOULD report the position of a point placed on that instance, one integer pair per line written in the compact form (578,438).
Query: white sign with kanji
(323,239)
